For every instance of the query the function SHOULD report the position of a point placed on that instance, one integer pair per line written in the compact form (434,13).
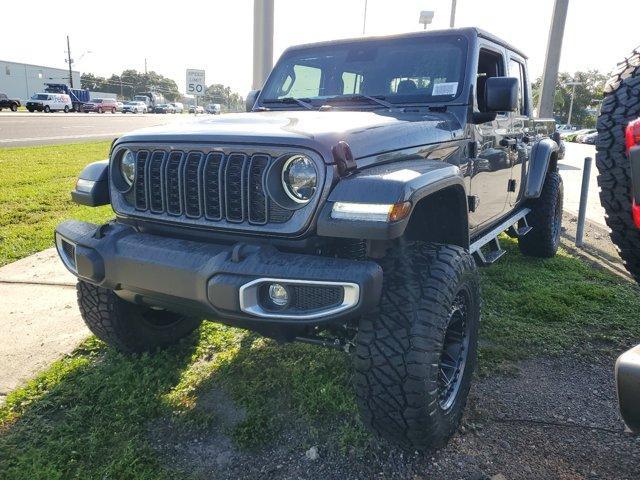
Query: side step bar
(491,238)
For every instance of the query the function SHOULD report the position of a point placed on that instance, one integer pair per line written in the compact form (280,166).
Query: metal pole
(452,20)
(69,61)
(364,20)
(573,93)
(262,41)
(584,194)
(552,61)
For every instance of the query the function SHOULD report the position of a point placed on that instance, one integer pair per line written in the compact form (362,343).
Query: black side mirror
(501,94)
(250,101)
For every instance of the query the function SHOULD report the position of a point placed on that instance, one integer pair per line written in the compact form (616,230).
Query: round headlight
(128,166)
(299,178)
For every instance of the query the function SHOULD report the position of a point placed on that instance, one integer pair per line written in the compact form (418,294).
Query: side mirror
(501,94)
(250,101)
(628,383)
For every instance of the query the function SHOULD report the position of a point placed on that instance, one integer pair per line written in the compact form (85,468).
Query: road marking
(61,137)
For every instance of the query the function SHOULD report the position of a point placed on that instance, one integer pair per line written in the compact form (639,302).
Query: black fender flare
(409,181)
(539,161)
(92,188)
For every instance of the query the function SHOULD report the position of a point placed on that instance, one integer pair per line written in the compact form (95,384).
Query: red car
(101,105)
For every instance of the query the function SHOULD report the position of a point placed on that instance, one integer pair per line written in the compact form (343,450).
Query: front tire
(416,354)
(14,108)
(46,109)
(129,327)
(545,220)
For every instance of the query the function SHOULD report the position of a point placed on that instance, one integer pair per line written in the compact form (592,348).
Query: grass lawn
(90,414)
(34,194)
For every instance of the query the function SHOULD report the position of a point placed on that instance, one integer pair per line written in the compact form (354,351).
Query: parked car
(151,99)
(581,136)
(164,108)
(572,137)
(196,109)
(119,106)
(178,107)
(100,105)
(298,224)
(10,103)
(134,107)
(213,108)
(566,129)
(49,102)
(589,138)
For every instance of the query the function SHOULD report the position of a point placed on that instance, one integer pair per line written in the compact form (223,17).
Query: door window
(490,64)
(516,69)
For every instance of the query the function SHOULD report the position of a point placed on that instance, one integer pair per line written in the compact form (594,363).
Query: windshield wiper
(300,102)
(360,96)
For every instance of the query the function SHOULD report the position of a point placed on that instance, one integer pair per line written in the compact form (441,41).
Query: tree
(218,93)
(131,82)
(585,101)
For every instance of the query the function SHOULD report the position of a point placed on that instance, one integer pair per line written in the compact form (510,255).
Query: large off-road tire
(545,220)
(621,105)
(128,327)
(423,334)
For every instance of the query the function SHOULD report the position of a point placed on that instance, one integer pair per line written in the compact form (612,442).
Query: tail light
(632,135)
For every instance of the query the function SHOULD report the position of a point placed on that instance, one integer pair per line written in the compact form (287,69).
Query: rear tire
(430,304)
(129,327)
(14,108)
(66,109)
(621,105)
(113,110)
(545,219)
(46,109)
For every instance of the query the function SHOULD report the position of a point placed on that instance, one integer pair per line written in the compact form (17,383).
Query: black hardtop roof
(468,32)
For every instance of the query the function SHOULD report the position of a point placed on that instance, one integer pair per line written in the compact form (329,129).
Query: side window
(516,69)
(305,83)
(351,82)
(490,64)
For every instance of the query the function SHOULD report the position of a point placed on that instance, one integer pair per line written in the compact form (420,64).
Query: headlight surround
(128,166)
(300,178)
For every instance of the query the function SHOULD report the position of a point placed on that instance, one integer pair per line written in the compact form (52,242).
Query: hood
(366,132)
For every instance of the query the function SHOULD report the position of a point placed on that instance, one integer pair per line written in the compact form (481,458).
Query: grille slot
(192,176)
(173,174)
(234,197)
(308,297)
(156,204)
(140,190)
(210,186)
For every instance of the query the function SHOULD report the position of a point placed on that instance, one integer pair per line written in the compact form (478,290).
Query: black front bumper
(213,280)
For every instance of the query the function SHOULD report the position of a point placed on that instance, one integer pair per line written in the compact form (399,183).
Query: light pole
(573,93)
(71,61)
(262,41)
(426,17)
(364,20)
(452,19)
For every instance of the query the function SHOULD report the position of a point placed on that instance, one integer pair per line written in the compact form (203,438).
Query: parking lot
(21,129)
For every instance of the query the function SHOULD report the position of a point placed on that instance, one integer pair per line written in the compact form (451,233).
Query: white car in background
(49,102)
(134,107)
(179,107)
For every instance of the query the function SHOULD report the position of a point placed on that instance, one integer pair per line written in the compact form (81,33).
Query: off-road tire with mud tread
(545,220)
(621,105)
(127,327)
(398,347)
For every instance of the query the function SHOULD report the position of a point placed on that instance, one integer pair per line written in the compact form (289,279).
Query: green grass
(34,194)
(89,414)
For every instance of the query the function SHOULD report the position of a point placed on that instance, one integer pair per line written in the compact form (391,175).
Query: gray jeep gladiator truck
(349,208)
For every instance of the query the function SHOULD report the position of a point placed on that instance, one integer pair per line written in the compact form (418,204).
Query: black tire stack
(621,105)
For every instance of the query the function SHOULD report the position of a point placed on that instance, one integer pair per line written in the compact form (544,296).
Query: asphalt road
(20,129)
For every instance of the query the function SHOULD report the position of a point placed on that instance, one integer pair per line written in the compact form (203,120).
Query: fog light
(278,294)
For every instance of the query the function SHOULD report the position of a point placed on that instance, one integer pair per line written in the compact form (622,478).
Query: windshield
(403,70)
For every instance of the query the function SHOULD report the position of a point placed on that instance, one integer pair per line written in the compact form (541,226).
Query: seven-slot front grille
(213,186)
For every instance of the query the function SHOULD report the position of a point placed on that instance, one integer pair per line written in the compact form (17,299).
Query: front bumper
(224,281)
(35,106)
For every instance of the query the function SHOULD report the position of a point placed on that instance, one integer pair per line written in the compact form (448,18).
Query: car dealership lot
(20,129)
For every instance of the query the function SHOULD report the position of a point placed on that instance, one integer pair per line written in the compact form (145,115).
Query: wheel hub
(455,349)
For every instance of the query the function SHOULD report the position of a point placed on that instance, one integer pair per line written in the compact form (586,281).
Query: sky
(216,35)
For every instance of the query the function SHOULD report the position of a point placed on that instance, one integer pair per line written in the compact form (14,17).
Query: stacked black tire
(620,106)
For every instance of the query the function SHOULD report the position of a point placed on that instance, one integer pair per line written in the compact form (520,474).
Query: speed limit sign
(195,82)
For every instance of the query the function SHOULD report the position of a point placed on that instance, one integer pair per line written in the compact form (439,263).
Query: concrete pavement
(19,129)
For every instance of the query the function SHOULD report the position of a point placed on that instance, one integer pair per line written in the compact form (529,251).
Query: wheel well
(441,217)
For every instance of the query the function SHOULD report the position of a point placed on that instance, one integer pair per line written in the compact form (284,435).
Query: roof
(468,31)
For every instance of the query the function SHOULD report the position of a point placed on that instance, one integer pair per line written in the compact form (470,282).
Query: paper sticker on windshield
(446,88)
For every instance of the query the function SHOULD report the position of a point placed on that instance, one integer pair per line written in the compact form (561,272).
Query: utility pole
(452,20)
(552,61)
(69,61)
(262,41)
(145,65)
(364,20)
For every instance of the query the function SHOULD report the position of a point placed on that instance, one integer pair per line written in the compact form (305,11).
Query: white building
(21,80)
